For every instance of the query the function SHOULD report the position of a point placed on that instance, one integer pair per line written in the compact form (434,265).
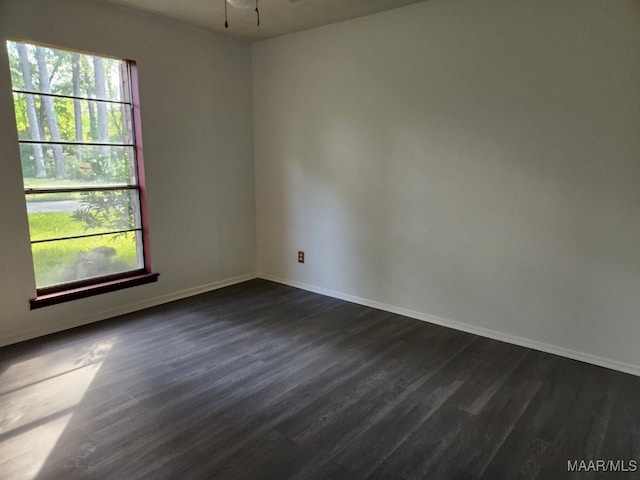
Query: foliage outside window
(76,132)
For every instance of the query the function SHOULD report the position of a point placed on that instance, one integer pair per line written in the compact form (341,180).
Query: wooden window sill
(44,300)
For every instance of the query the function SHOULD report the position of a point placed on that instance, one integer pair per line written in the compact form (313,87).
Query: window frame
(72,290)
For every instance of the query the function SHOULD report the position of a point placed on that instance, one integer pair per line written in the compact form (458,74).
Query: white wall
(471,162)
(195,91)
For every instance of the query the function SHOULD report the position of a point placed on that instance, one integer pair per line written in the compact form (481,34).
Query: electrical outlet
(300,256)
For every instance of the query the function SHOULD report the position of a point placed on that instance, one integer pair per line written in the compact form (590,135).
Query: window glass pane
(70,260)
(51,166)
(55,118)
(82,99)
(57,215)
(61,72)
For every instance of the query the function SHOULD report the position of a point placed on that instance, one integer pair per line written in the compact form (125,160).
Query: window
(78,129)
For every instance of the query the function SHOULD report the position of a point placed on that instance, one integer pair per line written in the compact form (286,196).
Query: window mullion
(74,237)
(72,97)
(80,144)
(102,188)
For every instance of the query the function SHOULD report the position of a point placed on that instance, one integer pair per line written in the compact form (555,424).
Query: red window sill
(45,300)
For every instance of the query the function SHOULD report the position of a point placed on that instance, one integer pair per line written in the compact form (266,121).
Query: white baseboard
(464,327)
(170,297)
(18,337)
(129,308)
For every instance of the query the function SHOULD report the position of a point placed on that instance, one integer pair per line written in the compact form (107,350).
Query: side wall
(197,121)
(470,162)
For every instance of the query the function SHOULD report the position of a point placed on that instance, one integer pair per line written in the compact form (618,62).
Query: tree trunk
(125,111)
(77,108)
(89,84)
(101,107)
(34,130)
(52,118)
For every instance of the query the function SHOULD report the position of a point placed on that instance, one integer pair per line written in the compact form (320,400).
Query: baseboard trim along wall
(464,327)
(129,308)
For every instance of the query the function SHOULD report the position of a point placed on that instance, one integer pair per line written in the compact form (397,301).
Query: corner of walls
(472,161)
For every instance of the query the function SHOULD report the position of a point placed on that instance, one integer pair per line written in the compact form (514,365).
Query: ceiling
(277,17)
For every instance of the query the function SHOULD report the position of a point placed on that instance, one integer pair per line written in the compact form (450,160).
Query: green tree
(50,113)
(34,130)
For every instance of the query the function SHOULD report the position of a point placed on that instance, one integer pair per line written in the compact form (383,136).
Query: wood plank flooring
(264,381)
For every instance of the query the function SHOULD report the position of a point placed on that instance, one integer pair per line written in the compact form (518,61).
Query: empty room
(313,239)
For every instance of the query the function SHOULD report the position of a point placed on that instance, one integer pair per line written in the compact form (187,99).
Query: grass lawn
(32,182)
(53,260)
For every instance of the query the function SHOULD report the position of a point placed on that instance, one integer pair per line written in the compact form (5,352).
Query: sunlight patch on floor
(36,409)
(26,453)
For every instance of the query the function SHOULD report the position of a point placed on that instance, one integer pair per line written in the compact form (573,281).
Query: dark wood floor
(261,380)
